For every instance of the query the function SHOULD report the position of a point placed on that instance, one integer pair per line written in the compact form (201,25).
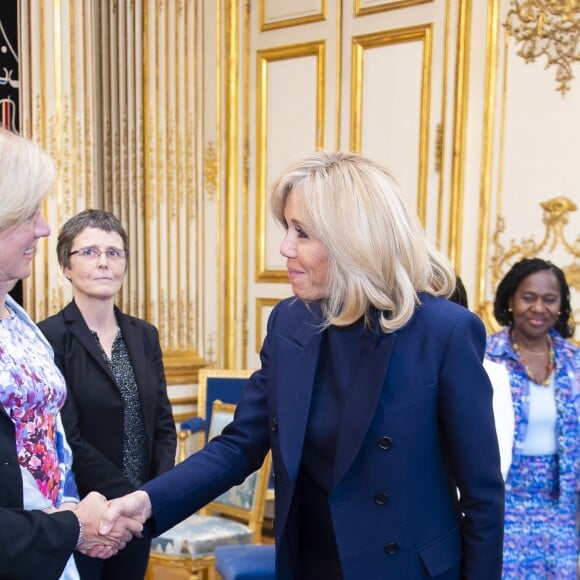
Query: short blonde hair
(379,255)
(26,174)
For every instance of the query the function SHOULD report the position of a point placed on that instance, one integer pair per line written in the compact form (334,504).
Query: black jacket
(93,414)
(32,544)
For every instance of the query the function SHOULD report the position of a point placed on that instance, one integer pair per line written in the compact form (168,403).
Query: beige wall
(177,115)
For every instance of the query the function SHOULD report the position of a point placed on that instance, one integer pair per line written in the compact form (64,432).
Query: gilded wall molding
(261,304)
(232,184)
(487,155)
(361,8)
(172,182)
(58,109)
(265,57)
(306,17)
(424,35)
(460,122)
(119,114)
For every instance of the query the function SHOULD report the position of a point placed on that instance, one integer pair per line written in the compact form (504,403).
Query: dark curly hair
(459,295)
(511,282)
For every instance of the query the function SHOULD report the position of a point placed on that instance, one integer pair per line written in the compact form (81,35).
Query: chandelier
(548,28)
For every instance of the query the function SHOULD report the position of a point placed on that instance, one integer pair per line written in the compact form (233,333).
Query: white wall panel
(391,111)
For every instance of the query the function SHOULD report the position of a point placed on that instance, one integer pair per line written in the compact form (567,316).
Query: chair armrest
(186,428)
(193,424)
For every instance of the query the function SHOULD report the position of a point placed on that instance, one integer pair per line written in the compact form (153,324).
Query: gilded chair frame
(254,517)
(203,567)
(202,392)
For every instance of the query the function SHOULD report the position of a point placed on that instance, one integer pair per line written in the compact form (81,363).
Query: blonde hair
(379,255)
(26,174)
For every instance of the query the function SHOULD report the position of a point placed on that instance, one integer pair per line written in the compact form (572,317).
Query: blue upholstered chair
(235,517)
(249,562)
(213,384)
(227,386)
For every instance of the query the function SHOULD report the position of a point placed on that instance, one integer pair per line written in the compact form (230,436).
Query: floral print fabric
(541,532)
(32,391)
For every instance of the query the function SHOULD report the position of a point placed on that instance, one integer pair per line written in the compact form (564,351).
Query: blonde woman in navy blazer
(117,414)
(371,395)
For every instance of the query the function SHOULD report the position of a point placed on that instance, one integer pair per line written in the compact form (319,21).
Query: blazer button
(274,425)
(391,547)
(381,498)
(385,443)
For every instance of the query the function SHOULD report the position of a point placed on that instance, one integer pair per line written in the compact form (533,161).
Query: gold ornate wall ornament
(555,219)
(210,169)
(556,212)
(549,28)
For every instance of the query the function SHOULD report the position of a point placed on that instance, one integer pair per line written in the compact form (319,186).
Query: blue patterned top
(32,391)
(567,394)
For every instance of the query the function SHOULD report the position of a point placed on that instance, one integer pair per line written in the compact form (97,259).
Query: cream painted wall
(435,91)
(178,115)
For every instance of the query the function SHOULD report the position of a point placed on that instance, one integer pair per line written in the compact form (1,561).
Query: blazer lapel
(299,358)
(78,327)
(364,396)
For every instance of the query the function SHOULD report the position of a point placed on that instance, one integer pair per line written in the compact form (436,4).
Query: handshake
(107,526)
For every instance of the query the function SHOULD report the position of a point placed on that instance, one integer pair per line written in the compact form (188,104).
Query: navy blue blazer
(418,426)
(93,414)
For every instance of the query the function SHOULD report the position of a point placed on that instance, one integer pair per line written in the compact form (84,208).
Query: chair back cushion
(219,384)
(241,496)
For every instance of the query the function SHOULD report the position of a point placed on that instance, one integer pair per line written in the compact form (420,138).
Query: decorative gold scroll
(549,28)
(555,219)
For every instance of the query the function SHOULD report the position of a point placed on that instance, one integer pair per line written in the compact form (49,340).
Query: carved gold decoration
(438,147)
(181,366)
(210,351)
(555,219)
(210,169)
(549,28)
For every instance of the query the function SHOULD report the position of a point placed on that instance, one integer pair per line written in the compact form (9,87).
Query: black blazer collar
(132,336)
(74,320)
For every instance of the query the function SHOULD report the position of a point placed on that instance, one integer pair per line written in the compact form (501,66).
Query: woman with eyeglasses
(117,415)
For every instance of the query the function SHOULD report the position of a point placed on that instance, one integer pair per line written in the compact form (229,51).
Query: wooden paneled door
(375,77)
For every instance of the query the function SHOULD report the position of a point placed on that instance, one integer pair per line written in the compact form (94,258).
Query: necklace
(533,352)
(549,367)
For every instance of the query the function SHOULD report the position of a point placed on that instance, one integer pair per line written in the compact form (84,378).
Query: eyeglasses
(92,254)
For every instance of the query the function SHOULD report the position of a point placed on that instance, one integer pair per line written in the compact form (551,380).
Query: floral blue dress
(32,391)
(541,537)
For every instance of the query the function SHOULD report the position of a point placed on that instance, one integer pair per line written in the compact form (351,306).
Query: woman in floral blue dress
(32,389)
(541,517)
